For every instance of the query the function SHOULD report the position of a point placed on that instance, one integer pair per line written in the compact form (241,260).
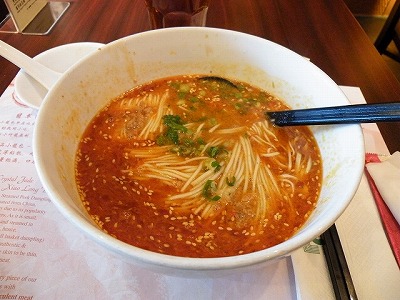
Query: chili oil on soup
(189,166)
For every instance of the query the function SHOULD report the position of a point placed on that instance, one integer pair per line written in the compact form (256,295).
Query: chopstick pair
(348,114)
(339,272)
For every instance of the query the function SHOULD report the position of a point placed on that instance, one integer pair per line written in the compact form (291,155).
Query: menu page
(43,256)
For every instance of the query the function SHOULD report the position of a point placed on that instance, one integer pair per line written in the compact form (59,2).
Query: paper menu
(22,199)
(43,256)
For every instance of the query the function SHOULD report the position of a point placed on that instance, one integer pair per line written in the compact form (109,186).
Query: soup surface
(189,166)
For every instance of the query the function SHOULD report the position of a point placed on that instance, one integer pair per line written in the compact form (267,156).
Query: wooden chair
(390,33)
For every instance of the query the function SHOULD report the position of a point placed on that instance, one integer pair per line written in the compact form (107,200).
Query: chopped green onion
(184,88)
(216,166)
(231,182)
(209,189)
(174,125)
(215,198)
(213,121)
(213,151)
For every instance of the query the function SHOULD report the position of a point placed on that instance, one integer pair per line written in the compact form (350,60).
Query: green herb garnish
(209,190)
(175,126)
(213,151)
(231,182)
(216,166)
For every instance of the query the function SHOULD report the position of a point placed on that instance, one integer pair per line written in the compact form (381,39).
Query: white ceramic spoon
(41,73)
(44,70)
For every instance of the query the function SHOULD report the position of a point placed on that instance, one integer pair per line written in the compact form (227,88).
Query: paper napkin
(383,177)
(311,273)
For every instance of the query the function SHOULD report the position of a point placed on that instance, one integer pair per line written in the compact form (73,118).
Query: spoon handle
(39,72)
(348,114)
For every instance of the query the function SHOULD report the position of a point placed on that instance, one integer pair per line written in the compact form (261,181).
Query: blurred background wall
(370,7)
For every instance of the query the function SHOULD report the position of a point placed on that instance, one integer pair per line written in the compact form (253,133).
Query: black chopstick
(348,114)
(338,269)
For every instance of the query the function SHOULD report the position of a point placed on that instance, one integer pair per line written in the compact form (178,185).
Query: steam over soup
(189,166)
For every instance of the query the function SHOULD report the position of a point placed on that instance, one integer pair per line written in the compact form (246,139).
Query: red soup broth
(189,166)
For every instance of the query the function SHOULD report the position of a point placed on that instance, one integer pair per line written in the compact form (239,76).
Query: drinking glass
(174,13)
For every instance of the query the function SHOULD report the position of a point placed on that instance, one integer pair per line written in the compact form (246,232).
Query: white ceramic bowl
(120,65)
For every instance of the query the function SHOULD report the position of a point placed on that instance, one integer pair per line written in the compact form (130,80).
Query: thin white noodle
(256,128)
(183,108)
(171,173)
(189,181)
(262,203)
(290,183)
(297,162)
(270,154)
(267,130)
(198,130)
(202,178)
(309,165)
(166,180)
(179,162)
(239,173)
(262,141)
(209,144)
(185,205)
(285,175)
(199,208)
(207,210)
(183,168)
(151,123)
(274,187)
(231,130)
(212,129)
(190,194)
(232,161)
(257,167)
(263,185)
(248,161)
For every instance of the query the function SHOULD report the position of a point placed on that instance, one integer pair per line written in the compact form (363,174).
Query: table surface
(324,31)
